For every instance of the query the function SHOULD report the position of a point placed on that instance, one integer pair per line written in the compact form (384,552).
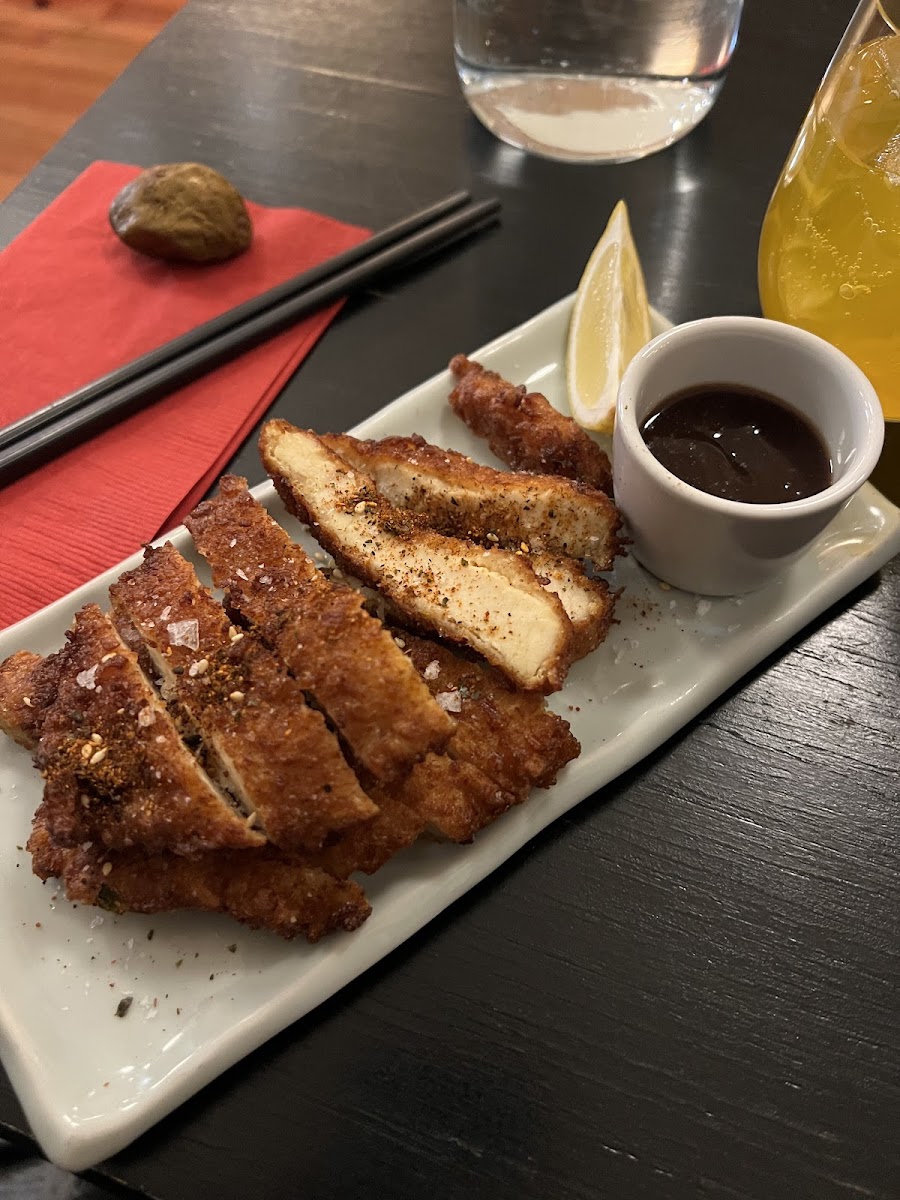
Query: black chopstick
(204,333)
(70,425)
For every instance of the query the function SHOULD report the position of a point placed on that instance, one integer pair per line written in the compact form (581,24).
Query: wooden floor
(56,57)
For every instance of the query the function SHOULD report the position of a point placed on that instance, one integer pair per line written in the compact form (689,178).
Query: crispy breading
(462,498)
(507,735)
(589,603)
(337,651)
(116,770)
(368,847)
(453,796)
(259,888)
(523,428)
(490,600)
(260,739)
(25,692)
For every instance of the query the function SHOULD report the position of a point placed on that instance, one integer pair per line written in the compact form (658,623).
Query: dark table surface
(687,986)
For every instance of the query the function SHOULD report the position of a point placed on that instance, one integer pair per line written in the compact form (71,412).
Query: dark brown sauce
(739,444)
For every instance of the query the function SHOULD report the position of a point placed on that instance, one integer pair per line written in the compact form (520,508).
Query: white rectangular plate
(90,1083)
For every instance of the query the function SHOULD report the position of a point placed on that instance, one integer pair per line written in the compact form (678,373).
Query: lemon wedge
(610,322)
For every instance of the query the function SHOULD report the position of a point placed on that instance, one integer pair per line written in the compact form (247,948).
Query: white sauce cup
(718,547)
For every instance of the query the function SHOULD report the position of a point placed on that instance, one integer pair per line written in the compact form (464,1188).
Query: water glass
(593,80)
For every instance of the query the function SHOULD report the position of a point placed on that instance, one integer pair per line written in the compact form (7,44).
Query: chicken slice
(461,498)
(259,737)
(589,603)
(336,651)
(368,847)
(490,600)
(116,770)
(259,888)
(507,735)
(523,428)
(25,692)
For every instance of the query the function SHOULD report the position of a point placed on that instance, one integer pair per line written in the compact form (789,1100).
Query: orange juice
(829,255)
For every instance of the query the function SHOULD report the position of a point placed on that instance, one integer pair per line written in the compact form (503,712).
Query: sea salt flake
(449,701)
(86,678)
(184,633)
(241,574)
(703,607)
(432,670)
(146,717)
(164,615)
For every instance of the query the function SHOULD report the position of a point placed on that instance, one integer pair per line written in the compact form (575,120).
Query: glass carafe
(829,255)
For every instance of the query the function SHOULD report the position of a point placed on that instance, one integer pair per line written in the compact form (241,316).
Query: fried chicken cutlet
(259,888)
(523,428)
(462,498)
(334,649)
(489,599)
(26,689)
(260,739)
(115,768)
(365,847)
(459,498)
(508,735)
(506,743)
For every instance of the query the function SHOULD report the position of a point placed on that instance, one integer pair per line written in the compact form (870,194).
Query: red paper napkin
(75,304)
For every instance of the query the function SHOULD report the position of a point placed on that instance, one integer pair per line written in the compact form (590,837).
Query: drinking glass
(593,80)
(829,254)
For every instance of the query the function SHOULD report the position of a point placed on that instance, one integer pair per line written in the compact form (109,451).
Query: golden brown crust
(490,599)
(368,847)
(509,736)
(452,796)
(462,498)
(523,428)
(25,692)
(260,888)
(589,603)
(260,738)
(115,767)
(333,647)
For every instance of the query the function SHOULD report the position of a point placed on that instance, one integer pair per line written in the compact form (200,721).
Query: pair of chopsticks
(44,435)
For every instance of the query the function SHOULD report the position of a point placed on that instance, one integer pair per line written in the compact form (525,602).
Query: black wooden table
(688,986)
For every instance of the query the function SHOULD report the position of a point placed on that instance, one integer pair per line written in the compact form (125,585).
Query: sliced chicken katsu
(589,603)
(462,498)
(259,738)
(523,428)
(26,690)
(490,599)
(365,847)
(368,847)
(442,795)
(259,888)
(116,770)
(335,650)
(507,735)
(453,796)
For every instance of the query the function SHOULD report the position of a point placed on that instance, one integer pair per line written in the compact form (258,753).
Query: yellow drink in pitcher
(829,255)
